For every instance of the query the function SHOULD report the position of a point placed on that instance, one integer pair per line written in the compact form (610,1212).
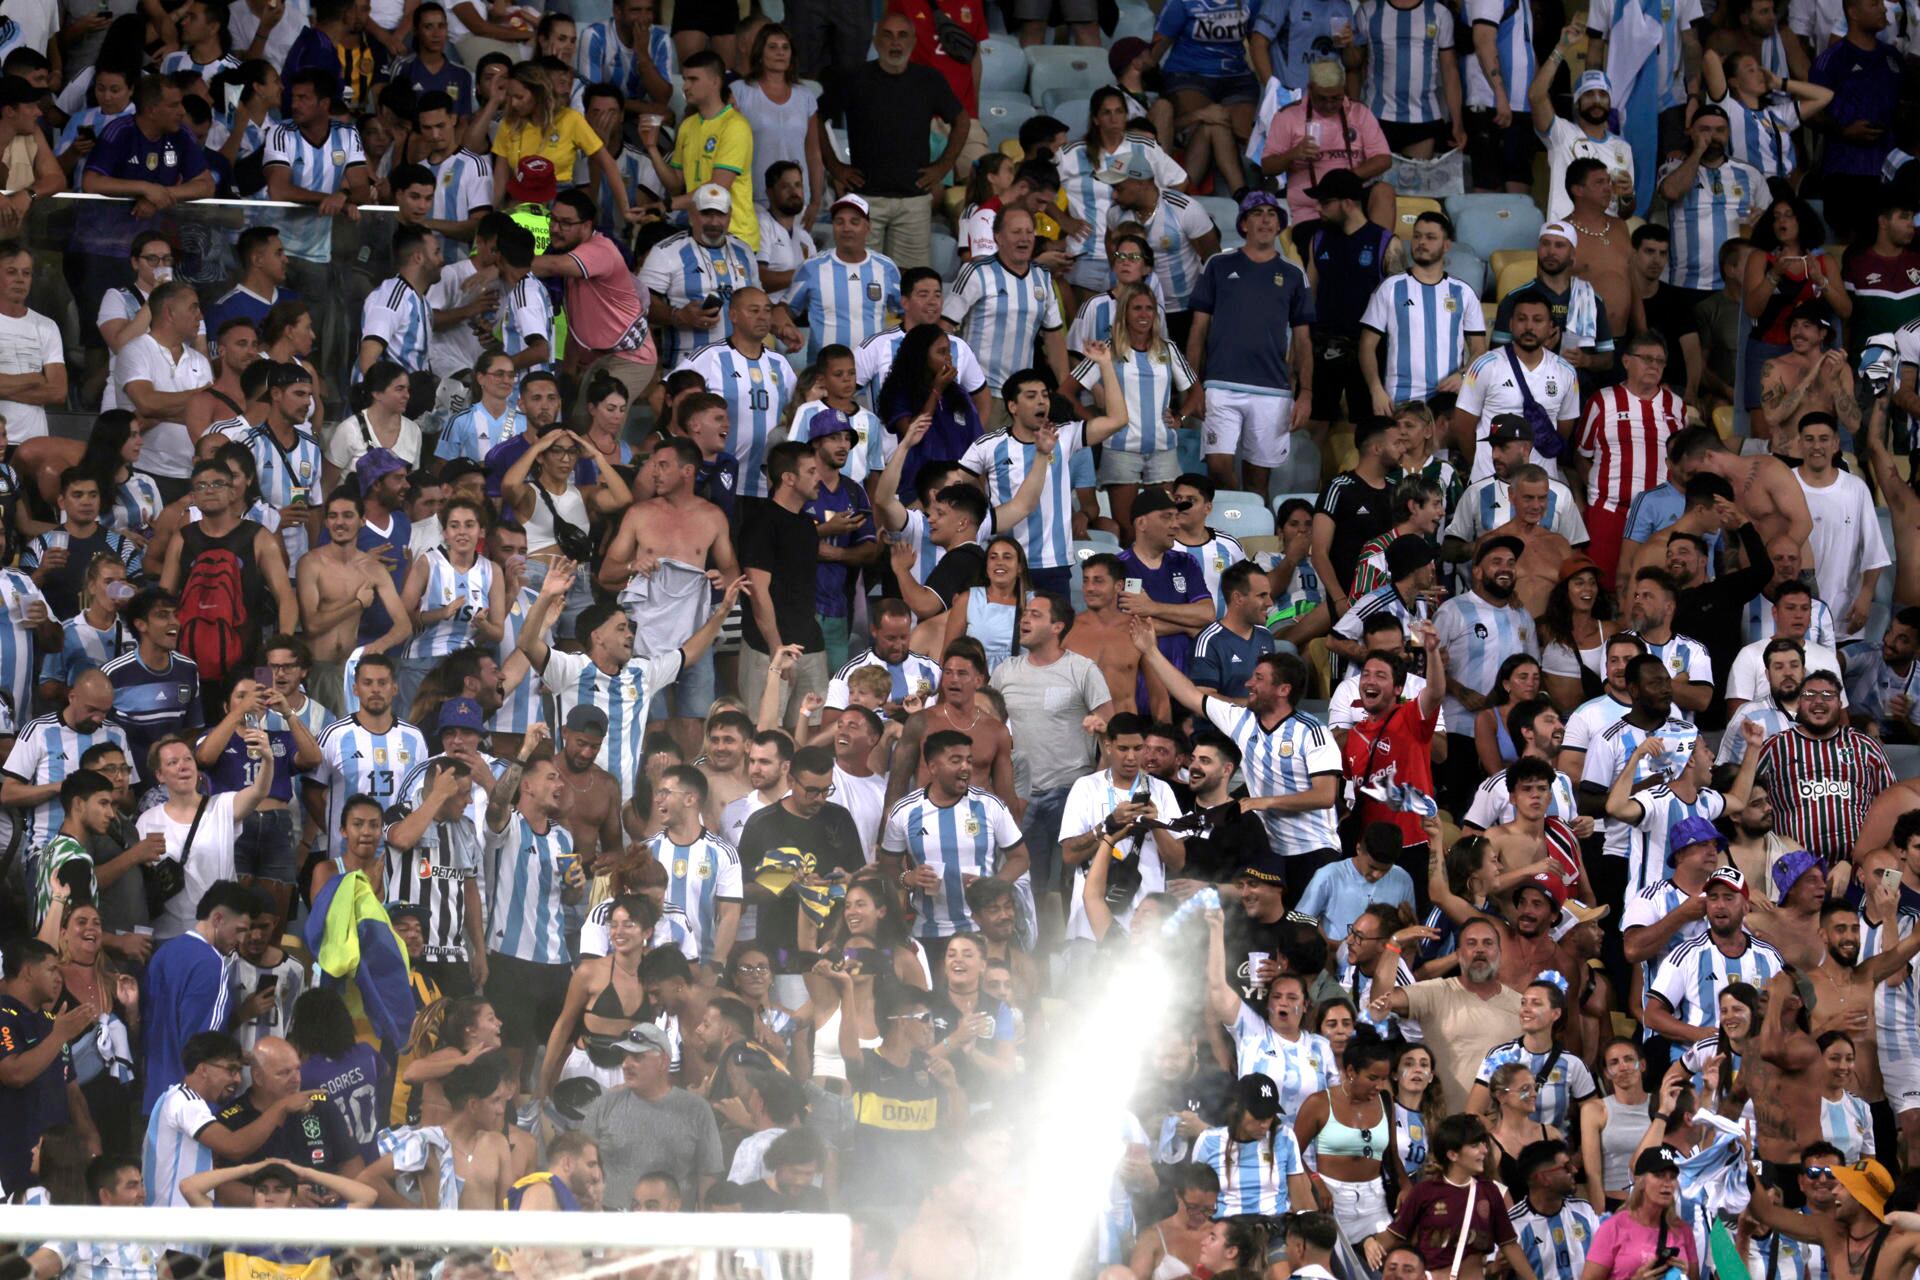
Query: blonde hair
(531,77)
(1123,296)
(871,681)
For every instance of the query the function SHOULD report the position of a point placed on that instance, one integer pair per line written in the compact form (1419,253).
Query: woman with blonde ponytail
(533,125)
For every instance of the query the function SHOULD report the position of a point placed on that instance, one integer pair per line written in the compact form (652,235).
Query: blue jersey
(1404,48)
(1002,460)
(451,79)
(287,474)
(189,989)
(528,920)
(1222,660)
(148,705)
(961,841)
(1177,579)
(1209,36)
(843,302)
(236,770)
(1255,307)
(756,390)
(682,270)
(1299,31)
(700,875)
(474,431)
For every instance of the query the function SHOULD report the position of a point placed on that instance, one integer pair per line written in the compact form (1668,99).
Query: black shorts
(1401,136)
(711,17)
(1499,156)
(527,997)
(1337,377)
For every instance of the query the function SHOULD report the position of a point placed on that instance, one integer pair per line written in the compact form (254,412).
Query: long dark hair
(1094,102)
(1556,621)
(63,1165)
(910,380)
(322,1026)
(101,458)
(124,47)
(1813,230)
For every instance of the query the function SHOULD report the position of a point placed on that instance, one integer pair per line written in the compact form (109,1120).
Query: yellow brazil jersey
(247,1266)
(568,136)
(724,141)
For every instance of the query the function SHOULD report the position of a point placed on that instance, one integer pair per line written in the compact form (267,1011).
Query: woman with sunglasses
(604,1000)
(1350,1129)
(1510,1123)
(1564,1086)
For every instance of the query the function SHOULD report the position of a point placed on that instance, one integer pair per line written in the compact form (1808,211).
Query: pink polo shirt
(1345,142)
(606,306)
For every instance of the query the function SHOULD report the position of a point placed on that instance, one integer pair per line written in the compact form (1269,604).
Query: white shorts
(1255,428)
(1360,1208)
(1901,1076)
(1119,467)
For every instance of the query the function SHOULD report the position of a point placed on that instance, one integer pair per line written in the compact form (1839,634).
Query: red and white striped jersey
(1822,787)
(1626,438)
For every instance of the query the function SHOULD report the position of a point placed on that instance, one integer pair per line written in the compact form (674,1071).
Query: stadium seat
(1224,213)
(1487,227)
(944,253)
(1282,499)
(1003,66)
(1073,114)
(1111,541)
(1319,660)
(1061,71)
(1240,514)
(1409,208)
(1301,470)
(1002,114)
(1188,444)
(1134,20)
(1723,422)
(1469,266)
(1512,274)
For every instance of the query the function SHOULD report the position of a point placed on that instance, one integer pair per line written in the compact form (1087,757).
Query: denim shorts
(690,696)
(1223,91)
(264,847)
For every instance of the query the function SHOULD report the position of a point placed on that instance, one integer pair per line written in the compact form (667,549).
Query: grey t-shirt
(676,1134)
(1046,705)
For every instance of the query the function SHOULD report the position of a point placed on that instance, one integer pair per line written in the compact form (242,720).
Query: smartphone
(84,133)
(263,676)
(267,982)
(1890,876)
(785,961)
(710,303)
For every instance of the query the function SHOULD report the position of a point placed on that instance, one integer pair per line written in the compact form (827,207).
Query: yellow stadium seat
(1515,274)
(1409,208)
(954,198)
(1723,421)
(1319,668)
(1339,454)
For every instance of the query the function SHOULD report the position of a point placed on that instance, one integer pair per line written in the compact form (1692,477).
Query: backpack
(215,626)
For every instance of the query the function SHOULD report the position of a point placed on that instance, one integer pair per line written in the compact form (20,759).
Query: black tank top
(1350,267)
(224,601)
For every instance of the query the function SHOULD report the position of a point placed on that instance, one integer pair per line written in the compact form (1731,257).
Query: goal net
(413,1244)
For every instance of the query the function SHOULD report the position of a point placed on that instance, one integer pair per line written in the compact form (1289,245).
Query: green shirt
(59,851)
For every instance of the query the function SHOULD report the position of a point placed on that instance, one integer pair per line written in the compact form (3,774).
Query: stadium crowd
(609,610)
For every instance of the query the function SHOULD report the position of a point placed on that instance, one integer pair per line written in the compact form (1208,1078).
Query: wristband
(1394,947)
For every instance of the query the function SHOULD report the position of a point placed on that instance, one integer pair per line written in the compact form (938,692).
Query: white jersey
(1283,761)
(1490,389)
(355,760)
(575,681)
(1404,48)
(700,875)
(1090,199)
(914,676)
(1722,200)
(1002,313)
(1426,327)
(1002,461)
(1177,221)
(1846,541)
(47,753)
(527,919)
(873,361)
(1567,142)
(1479,635)
(446,584)
(1648,844)
(968,838)
(1090,801)
(1492,803)
(842,302)
(1747,677)
(756,390)
(780,249)
(1148,384)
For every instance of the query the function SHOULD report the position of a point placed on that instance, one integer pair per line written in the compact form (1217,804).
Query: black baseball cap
(1492,545)
(1510,428)
(1660,1159)
(1152,500)
(1408,555)
(1258,1096)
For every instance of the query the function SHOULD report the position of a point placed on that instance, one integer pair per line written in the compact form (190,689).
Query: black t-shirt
(1360,513)
(1670,315)
(33,1108)
(829,841)
(760,1197)
(896,1131)
(959,571)
(317,1139)
(786,544)
(1217,851)
(62,586)
(887,118)
(1245,935)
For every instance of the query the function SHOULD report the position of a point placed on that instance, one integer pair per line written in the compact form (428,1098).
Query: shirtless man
(591,796)
(963,673)
(1901,500)
(1532,841)
(943,1242)
(1100,631)
(1526,940)
(1784,1080)
(1763,487)
(337,583)
(1844,984)
(675,524)
(1793,924)
(477,1094)
(1539,569)
(1805,380)
(725,765)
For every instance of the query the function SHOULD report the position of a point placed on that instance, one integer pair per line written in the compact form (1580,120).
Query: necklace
(1603,234)
(948,713)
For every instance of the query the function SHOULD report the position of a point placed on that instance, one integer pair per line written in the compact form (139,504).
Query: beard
(1497,588)
(1594,114)
(1485,971)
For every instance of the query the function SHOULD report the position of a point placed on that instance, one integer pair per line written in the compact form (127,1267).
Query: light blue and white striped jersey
(1283,761)
(528,920)
(1513,23)
(683,270)
(756,391)
(284,474)
(873,444)
(92,118)
(1253,1175)
(84,648)
(1558,1094)
(575,680)
(172,1153)
(462,183)
(1608,751)
(1089,199)
(182,60)
(1796,1261)
(17,666)
(1555,1244)
(135,505)
(1002,460)
(1685,659)
(356,759)
(1493,804)
(873,361)
(1674,18)
(445,584)
(1479,635)
(526,313)
(1149,381)
(843,302)
(522,706)
(1896,1002)
(1763,136)
(636,171)
(1002,313)
(961,840)
(1275,97)
(1848,1125)
(318,166)
(603,56)
(699,875)
(1486,504)
(1176,222)
(1426,328)
(1722,200)
(1216,555)
(1764,711)
(1660,811)
(474,431)
(1690,979)
(97,1259)
(1760,621)
(1298,1068)
(47,753)
(400,317)
(915,675)
(1649,907)
(1404,48)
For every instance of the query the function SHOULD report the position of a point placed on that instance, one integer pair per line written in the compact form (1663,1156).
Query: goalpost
(418,1244)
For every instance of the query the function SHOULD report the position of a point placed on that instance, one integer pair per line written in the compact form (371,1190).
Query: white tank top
(572,508)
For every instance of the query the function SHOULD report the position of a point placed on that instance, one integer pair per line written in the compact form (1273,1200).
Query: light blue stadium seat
(1240,514)
(1468,266)
(1282,499)
(1111,541)
(1134,20)
(1224,213)
(1061,72)
(1498,222)
(1073,114)
(1301,470)
(1002,114)
(1083,551)
(1003,67)
(945,255)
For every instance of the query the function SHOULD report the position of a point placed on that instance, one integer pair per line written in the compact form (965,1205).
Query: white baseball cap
(711,197)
